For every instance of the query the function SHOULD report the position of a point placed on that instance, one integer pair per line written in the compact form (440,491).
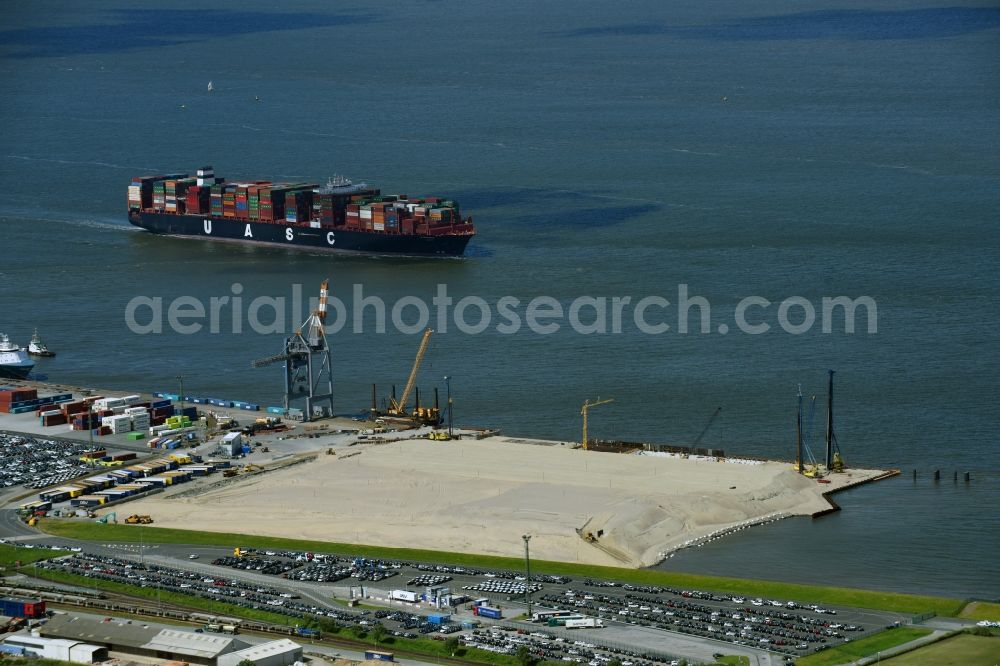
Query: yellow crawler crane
(399,408)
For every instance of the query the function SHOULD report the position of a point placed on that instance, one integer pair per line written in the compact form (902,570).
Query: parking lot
(302,585)
(401,623)
(39,462)
(785,627)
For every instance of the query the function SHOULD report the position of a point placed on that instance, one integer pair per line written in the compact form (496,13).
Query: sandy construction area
(481,496)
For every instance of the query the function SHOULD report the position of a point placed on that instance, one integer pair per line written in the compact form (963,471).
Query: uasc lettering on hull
(340,215)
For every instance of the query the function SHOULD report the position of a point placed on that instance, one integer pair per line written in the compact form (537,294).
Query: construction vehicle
(439,435)
(587,404)
(136,519)
(265,424)
(834,461)
(250,468)
(810,469)
(108,518)
(398,408)
(32,521)
(231,472)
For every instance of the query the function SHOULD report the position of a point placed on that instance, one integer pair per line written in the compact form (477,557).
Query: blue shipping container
(379,656)
(492,613)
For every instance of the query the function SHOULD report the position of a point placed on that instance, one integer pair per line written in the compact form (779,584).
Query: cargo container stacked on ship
(338,216)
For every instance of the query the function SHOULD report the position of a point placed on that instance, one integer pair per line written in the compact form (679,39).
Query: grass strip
(864,647)
(11,555)
(959,650)
(981,610)
(888,601)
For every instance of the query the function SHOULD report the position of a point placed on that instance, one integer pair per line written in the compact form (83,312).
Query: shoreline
(471,495)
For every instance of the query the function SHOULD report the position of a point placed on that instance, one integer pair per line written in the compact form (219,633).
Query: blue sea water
(773,149)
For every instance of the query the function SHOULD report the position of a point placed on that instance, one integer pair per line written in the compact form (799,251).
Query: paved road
(12,527)
(177,556)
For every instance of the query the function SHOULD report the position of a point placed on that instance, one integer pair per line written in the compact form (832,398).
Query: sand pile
(481,496)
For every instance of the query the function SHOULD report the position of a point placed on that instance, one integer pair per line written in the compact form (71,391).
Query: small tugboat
(14,362)
(37,348)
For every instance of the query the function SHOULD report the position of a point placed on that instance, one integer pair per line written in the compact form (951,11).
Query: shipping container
(26,608)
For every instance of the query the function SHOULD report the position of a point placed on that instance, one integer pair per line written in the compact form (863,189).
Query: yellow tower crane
(587,404)
(399,408)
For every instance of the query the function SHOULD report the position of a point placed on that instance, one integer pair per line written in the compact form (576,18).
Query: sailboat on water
(210,87)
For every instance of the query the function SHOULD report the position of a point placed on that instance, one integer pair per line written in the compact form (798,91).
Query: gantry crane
(399,408)
(307,361)
(587,404)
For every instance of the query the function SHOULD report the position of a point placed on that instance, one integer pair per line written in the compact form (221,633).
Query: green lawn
(733,660)
(9,555)
(864,647)
(981,610)
(890,601)
(960,650)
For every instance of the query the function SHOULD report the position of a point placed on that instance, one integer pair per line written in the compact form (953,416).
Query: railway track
(117,603)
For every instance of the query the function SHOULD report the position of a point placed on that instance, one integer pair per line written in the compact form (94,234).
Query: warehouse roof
(281,651)
(262,650)
(93,630)
(191,643)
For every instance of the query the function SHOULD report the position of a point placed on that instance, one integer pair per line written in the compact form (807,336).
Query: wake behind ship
(338,216)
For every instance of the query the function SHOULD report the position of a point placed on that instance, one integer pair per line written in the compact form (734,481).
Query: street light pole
(527,572)
(447,382)
(180,378)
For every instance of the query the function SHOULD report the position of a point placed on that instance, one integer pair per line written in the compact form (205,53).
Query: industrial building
(54,648)
(120,638)
(126,637)
(282,652)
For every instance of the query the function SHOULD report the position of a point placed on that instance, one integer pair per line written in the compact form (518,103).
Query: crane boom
(400,406)
(587,404)
(708,425)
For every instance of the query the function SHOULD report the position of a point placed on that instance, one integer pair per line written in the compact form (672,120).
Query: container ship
(338,216)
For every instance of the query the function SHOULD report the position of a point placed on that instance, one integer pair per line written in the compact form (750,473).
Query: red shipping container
(71,408)
(54,420)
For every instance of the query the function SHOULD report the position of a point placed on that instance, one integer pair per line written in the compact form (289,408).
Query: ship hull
(15,371)
(297,236)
